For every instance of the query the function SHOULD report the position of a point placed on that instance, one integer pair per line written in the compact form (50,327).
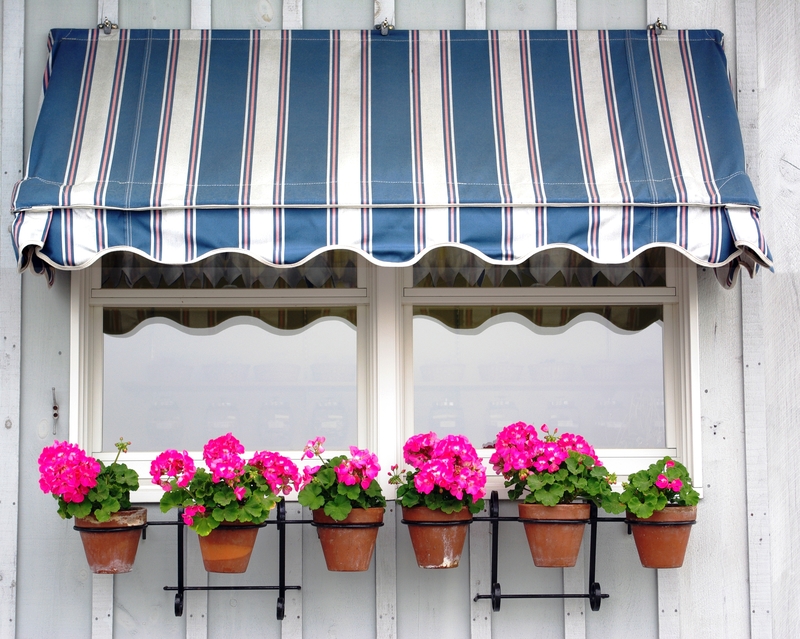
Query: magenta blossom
(240,492)
(314,447)
(451,464)
(280,472)
(662,482)
(190,512)
(676,485)
(361,468)
(419,448)
(175,465)
(222,456)
(68,472)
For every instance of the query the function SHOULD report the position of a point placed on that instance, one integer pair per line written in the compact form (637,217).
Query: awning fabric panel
(177,144)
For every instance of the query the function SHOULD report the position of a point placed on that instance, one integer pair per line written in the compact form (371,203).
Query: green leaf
(310,498)
(339,508)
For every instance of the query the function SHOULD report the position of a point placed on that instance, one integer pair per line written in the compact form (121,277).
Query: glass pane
(331,269)
(557,267)
(587,376)
(171,386)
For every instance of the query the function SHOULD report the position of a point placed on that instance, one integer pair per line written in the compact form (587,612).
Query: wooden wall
(46,588)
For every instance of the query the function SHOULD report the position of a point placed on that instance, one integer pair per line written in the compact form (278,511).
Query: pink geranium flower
(314,448)
(172,465)
(190,512)
(662,481)
(67,471)
(222,456)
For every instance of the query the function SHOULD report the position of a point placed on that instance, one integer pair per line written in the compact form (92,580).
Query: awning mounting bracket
(384,27)
(106,25)
(658,26)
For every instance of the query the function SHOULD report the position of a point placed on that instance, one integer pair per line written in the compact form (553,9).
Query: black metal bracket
(182,588)
(595,595)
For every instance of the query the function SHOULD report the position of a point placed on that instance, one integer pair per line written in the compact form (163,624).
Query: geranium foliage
(234,490)
(342,483)
(664,483)
(448,474)
(84,486)
(555,469)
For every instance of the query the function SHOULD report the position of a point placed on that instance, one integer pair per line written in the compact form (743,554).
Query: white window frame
(680,355)
(384,299)
(87,300)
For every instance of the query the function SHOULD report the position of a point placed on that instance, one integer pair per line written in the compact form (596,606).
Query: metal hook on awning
(384,27)
(106,25)
(658,26)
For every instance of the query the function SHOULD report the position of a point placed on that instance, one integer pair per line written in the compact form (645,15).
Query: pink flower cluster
(172,464)
(675,485)
(518,447)
(190,512)
(361,468)
(280,472)
(451,464)
(67,472)
(222,456)
(314,448)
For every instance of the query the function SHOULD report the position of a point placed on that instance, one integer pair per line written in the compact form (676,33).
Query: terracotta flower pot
(348,545)
(437,546)
(108,551)
(663,546)
(555,545)
(228,548)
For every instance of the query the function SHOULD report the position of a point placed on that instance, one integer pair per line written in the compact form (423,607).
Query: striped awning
(283,144)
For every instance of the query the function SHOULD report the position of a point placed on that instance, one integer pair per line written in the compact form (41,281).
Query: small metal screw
(8,423)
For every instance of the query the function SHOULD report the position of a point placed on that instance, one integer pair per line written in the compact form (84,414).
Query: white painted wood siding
(710,597)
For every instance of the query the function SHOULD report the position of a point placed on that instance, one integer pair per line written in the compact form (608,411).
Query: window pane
(587,376)
(173,386)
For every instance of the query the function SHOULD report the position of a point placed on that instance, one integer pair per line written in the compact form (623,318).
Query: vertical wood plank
(480,578)
(475,14)
(11,127)
(102,605)
(384,10)
(386,371)
(201,14)
(669,619)
(575,580)
(566,14)
(195,603)
(292,624)
(657,9)
(755,411)
(292,14)
(107,9)
(386,575)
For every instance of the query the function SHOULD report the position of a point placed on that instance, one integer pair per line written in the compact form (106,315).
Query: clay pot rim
(579,511)
(137,518)
(670,513)
(422,513)
(359,515)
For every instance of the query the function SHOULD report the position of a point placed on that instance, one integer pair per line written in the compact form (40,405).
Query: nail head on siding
(8,423)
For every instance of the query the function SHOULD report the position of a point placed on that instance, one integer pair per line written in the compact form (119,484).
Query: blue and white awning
(181,144)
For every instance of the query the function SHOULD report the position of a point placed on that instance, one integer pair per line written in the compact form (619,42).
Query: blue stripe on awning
(177,144)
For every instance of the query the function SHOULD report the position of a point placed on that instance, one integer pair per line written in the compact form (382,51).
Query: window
(604,351)
(169,356)
(175,355)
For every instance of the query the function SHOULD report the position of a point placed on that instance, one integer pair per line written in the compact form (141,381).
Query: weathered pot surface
(227,549)
(112,552)
(348,549)
(437,546)
(555,545)
(663,546)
